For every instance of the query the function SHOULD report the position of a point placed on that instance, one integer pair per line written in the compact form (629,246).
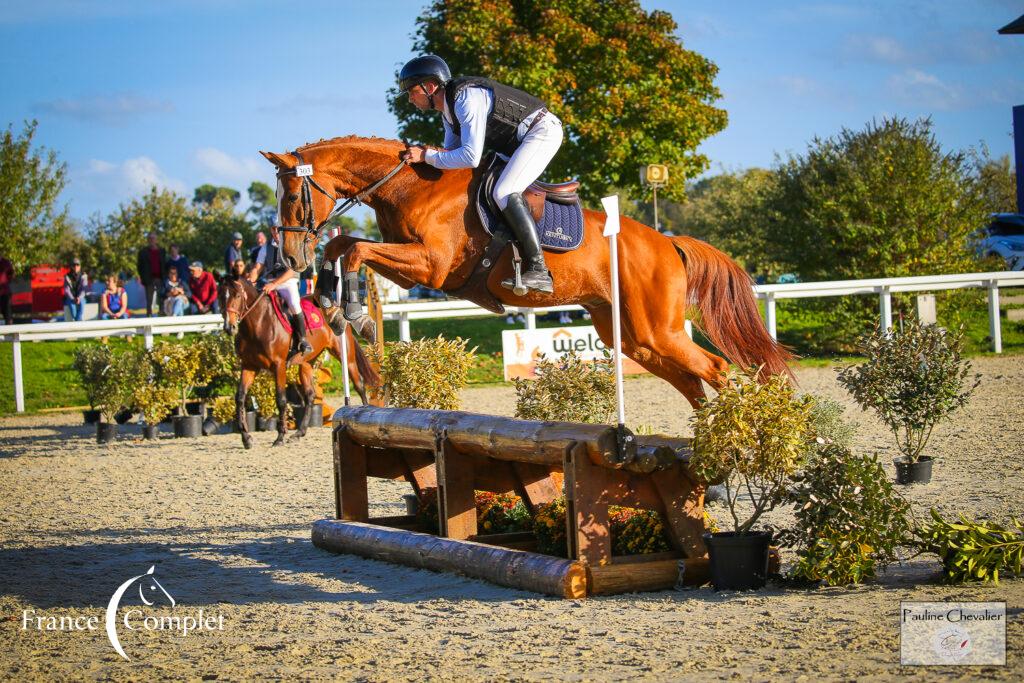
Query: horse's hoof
(365,328)
(296,436)
(279,441)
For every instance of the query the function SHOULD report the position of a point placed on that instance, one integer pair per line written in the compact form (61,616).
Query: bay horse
(432,236)
(262,343)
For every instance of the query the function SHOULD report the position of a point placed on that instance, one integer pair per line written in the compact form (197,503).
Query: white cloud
(125,180)
(217,166)
(112,110)
(914,86)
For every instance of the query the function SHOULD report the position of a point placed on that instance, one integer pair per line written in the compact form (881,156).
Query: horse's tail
(721,289)
(368,373)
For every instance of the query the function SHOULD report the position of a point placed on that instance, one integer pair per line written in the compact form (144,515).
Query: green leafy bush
(264,393)
(828,423)
(428,373)
(223,409)
(753,435)
(973,551)
(568,389)
(219,362)
(181,367)
(913,379)
(91,362)
(118,382)
(849,518)
(153,398)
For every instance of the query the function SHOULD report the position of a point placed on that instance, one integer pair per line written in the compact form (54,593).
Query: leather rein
(311,227)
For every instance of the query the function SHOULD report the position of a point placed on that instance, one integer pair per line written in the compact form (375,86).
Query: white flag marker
(611,230)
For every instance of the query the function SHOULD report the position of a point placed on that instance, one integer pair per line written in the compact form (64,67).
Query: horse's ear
(278,160)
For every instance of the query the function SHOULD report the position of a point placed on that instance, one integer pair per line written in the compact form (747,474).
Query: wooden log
(503,566)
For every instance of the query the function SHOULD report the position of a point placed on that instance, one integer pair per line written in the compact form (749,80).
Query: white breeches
(526,164)
(289,293)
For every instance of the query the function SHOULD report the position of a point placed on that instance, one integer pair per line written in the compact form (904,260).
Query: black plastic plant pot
(106,432)
(210,426)
(919,472)
(151,432)
(738,562)
(188,426)
(91,417)
(123,417)
(266,424)
(194,408)
(250,422)
(412,503)
(316,418)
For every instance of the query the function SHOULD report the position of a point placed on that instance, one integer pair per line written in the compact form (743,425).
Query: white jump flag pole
(611,230)
(344,326)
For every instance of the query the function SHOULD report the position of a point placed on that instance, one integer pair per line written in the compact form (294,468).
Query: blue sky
(183,92)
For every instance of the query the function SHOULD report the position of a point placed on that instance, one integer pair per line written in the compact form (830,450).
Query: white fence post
(404,333)
(994,327)
(769,315)
(147,335)
(531,319)
(19,386)
(885,306)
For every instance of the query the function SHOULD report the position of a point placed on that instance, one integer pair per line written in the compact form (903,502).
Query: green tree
(263,206)
(210,196)
(213,229)
(996,183)
(116,239)
(31,179)
(884,201)
(618,77)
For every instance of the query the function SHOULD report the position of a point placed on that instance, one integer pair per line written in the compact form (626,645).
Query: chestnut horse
(433,237)
(262,343)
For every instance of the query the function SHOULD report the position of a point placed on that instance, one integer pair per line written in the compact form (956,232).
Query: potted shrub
(180,366)
(264,393)
(115,390)
(849,518)
(91,362)
(568,389)
(913,379)
(752,436)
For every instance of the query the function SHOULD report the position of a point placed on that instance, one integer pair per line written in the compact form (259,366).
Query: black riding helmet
(423,69)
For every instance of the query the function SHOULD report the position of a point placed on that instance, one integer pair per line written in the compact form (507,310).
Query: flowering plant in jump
(633,532)
(496,513)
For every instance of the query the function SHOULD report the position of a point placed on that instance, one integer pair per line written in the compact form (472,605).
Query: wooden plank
(631,577)
(503,566)
(683,509)
(538,486)
(409,522)
(456,499)
(588,518)
(419,469)
(353,499)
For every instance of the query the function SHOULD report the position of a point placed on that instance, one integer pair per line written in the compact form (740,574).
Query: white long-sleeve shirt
(472,107)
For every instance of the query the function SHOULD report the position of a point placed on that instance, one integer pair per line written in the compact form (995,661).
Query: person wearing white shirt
(479,113)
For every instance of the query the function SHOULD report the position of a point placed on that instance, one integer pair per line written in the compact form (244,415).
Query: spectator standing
(175,294)
(114,300)
(6,276)
(150,266)
(203,290)
(257,255)
(76,284)
(234,252)
(177,261)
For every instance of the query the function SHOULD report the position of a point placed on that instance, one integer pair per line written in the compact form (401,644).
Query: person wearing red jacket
(204,290)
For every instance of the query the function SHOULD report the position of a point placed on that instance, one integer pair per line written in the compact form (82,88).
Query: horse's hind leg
(306,383)
(281,383)
(244,382)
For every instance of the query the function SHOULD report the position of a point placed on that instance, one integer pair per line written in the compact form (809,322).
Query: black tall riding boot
(298,321)
(535,276)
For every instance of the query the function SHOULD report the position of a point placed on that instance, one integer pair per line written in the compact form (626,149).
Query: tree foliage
(116,239)
(31,179)
(211,196)
(618,77)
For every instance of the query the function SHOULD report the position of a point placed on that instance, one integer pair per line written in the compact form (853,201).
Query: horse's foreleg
(281,384)
(244,382)
(306,383)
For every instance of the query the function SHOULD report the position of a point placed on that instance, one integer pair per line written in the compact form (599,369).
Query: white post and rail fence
(422,310)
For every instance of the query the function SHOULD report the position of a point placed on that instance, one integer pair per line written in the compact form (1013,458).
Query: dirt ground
(228,532)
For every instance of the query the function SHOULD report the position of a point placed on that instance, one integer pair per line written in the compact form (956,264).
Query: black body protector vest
(511,107)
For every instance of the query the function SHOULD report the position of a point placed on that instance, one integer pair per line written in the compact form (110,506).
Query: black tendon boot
(535,276)
(326,286)
(350,292)
(298,321)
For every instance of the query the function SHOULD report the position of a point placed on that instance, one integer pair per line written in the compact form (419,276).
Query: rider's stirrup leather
(299,330)
(535,276)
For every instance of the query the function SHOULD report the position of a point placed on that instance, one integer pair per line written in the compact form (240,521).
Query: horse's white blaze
(280,195)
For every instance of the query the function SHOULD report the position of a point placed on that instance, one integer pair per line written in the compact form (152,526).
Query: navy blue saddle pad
(561,228)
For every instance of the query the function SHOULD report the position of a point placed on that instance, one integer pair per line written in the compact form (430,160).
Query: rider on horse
(286,281)
(476,112)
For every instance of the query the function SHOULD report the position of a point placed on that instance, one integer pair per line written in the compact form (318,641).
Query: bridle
(310,226)
(228,308)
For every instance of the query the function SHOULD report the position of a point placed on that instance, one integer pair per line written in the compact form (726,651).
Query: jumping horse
(432,236)
(263,343)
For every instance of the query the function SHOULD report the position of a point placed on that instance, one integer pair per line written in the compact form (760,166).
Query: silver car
(1002,237)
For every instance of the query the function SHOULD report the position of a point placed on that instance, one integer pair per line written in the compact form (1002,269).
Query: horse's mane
(386,145)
